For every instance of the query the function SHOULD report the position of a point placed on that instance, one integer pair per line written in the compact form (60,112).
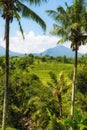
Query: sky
(35,39)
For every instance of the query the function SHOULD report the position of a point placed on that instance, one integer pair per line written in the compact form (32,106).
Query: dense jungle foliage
(39,93)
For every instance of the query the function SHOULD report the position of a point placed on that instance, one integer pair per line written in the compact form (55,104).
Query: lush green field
(42,70)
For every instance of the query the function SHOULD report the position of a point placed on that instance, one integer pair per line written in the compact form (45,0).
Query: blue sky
(35,39)
(29,25)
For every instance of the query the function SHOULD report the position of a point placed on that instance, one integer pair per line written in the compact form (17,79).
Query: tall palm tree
(71,26)
(15,9)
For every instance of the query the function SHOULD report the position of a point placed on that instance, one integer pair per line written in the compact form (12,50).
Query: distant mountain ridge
(59,50)
(11,53)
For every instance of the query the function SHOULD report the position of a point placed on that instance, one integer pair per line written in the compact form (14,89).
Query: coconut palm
(71,25)
(57,91)
(9,10)
(59,87)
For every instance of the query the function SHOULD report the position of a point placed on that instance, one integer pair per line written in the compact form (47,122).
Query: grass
(42,70)
(9,128)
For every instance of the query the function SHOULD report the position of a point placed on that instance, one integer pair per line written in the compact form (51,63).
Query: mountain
(59,50)
(11,53)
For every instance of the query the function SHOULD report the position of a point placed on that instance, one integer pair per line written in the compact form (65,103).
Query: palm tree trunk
(6,74)
(74,83)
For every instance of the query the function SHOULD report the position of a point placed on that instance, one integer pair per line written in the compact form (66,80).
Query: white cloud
(31,44)
(34,43)
(83,49)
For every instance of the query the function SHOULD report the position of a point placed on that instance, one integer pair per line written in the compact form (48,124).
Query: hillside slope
(59,50)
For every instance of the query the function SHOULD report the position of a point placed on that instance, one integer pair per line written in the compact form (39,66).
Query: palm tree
(59,87)
(57,91)
(71,26)
(15,9)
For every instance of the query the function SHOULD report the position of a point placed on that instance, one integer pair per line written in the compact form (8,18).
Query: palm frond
(62,40)
(36,2)
(84,39)
(53,77)
(60,16)
(62,19)
(61,10)
(28,13)
(51,13)
(16,15)
(20,27)
(60,30)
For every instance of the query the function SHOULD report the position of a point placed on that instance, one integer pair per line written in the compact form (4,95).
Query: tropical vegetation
(37,92)
(40,93)
(11,9)
(69,28)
